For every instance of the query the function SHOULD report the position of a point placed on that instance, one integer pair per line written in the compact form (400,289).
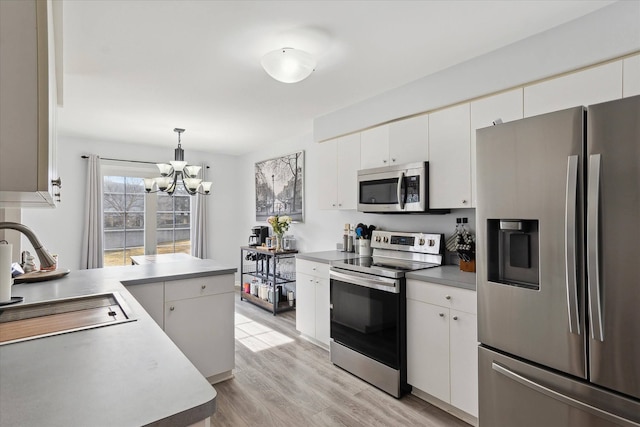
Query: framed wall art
(279,187)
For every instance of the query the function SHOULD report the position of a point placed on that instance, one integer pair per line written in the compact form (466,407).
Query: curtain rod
(130,161)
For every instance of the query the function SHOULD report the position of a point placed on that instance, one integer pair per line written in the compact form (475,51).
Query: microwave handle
(399,190)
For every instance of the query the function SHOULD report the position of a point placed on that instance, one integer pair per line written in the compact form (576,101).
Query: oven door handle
(375,282)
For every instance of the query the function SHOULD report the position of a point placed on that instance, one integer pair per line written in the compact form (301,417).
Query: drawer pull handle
(441,314)
(455,317)
(448,297)
(172,308)
(204,286)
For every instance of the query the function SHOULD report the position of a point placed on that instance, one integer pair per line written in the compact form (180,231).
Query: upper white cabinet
(631,76)
(450,158)
(506,106)
(27,105)
(339,161)
(404,141)
(590,86)
(409,140)
(374,147)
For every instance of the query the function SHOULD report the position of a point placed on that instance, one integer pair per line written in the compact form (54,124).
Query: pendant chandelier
(178,172)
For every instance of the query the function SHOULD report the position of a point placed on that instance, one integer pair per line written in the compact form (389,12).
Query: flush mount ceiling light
(178,172)
(288,65)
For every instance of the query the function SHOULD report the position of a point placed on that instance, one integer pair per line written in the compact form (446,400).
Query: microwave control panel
(412,189)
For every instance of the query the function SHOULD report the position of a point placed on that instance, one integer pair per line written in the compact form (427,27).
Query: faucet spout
(46,260)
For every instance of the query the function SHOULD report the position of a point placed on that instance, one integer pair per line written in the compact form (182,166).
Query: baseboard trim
(223,376)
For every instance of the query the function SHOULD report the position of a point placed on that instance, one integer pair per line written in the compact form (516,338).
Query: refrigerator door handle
(570,245)
(593,245)
(613,418)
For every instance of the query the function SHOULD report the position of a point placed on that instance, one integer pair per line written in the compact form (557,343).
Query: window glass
(125,206)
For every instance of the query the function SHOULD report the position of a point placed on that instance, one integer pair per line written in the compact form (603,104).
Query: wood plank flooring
(283,380)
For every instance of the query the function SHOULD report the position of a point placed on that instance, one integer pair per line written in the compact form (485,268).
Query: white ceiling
(134,70)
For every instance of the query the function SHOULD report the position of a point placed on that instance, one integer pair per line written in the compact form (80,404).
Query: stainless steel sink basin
(61,316)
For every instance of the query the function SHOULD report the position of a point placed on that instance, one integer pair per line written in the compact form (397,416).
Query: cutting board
(41,276)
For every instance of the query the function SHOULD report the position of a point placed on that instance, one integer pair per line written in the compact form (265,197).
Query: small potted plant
(280,225)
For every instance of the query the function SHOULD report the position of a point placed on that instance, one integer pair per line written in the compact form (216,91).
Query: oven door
(366,315)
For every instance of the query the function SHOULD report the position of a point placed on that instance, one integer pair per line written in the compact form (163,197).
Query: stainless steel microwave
(395,189)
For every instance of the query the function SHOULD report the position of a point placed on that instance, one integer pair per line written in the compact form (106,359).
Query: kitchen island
(128,374)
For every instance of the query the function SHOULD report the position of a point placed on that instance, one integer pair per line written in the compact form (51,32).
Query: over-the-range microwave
(395,189)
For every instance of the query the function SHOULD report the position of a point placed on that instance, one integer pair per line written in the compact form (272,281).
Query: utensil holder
(364,246)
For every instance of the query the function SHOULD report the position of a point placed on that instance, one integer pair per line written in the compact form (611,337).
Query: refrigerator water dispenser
(513,252)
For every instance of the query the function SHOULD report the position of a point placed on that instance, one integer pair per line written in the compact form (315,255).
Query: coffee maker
(258,235)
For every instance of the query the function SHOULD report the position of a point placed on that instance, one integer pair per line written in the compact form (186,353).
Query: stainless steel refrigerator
(558,274)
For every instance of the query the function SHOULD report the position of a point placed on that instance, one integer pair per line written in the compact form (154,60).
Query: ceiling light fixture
(288,65)
(178,172)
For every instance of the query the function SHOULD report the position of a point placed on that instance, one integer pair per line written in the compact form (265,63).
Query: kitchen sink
(61,316)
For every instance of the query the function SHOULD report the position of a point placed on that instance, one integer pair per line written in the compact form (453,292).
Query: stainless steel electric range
(368,307)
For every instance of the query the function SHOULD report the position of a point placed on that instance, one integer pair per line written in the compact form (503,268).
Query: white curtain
(93,222)
(199,223)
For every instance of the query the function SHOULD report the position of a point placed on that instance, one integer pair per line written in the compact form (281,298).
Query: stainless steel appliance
(558,281)
(258,235)
(395,189)
(368,306)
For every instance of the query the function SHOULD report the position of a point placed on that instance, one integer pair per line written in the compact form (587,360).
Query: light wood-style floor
(283,380)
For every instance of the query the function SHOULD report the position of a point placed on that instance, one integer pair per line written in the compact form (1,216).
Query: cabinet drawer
(198,286)
(442,295)
(317,269)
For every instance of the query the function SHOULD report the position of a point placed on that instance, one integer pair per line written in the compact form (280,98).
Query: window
(137,223)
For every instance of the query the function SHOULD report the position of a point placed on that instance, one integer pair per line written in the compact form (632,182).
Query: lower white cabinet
(312,301)
(442,348)
(198,315)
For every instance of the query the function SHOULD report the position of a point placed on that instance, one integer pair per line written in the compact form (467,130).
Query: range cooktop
(396,253)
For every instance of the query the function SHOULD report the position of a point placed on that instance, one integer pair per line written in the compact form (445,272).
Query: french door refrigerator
(558,274)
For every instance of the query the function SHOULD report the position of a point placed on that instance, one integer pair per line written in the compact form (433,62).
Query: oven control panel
(429,243)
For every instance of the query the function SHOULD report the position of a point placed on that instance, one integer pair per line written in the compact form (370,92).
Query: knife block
(468,266)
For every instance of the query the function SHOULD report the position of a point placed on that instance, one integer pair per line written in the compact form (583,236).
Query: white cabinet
(506,106)
(450,158)
(312,301)
(590,86)
(631,76)
(198,315)
(442,344)
(339,161)
(27,105)
(374,147)
(404,141)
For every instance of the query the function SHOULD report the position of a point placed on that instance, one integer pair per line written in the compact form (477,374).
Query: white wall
(60,229)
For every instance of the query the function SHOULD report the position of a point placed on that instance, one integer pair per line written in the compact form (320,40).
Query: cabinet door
(203,329)
(631,76)
(305,304)
(506,106)
(409,140)
(450,158)
(428,348)
(151,298)
(327,174)
(323,323)
(348,156)
(591,86)
(374,147)
(464,361)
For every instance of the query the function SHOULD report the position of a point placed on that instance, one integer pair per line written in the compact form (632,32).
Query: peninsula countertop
(129,374)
